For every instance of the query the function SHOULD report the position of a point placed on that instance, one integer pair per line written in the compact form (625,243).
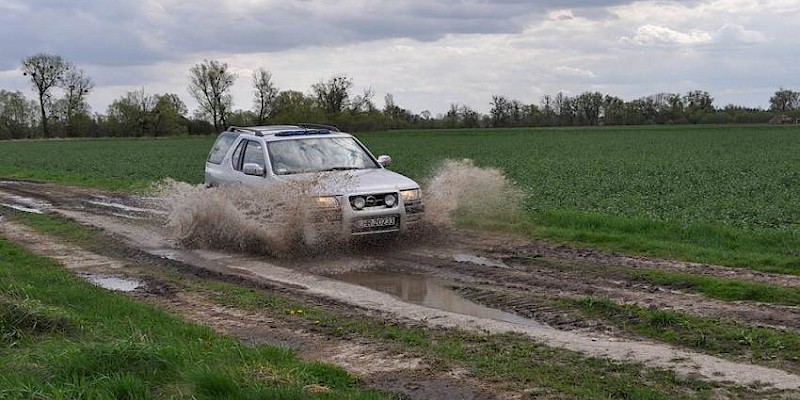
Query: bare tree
(500,111)
(46,72)
(76,87)
(363,102)
(265,94)
(210,84)
(333,95)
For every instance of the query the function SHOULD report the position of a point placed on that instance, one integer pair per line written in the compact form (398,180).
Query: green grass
(61,337)
(65,229)
(723,289)
(116,164)
(709,335)
(717,194)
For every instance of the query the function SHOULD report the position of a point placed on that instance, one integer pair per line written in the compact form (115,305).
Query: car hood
(373,180)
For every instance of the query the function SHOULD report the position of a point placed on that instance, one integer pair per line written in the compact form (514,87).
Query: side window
(254,153)
(236,159)
(221,146)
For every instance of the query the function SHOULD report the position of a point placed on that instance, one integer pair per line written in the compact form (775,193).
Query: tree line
(61,89)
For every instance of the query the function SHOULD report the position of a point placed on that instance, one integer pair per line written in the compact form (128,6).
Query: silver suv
(374,200)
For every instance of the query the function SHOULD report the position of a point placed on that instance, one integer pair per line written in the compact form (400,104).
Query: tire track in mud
(575,335)
(552,283)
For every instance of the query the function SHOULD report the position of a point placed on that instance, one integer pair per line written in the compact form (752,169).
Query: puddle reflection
(430,292)
(114,283)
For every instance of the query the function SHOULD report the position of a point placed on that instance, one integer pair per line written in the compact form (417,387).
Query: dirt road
(463,280)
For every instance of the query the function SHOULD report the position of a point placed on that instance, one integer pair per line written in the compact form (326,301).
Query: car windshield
(301,155)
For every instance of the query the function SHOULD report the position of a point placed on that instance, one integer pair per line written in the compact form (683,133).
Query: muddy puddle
(430,292)
(24,204)
(115,283)
(110,203)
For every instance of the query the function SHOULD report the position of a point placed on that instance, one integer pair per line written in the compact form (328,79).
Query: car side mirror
(253,169)
(384,160)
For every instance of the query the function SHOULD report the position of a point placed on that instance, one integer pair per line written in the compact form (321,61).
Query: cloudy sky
(428,53)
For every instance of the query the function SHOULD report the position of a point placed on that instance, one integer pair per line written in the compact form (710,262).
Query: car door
(249,152)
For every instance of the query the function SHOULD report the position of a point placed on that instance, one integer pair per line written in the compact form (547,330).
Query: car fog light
(390,200)
(359,203)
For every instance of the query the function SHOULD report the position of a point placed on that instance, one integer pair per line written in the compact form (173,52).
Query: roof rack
(318,126)
(240,129)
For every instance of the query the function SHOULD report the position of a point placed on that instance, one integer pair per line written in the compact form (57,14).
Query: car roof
(286,131)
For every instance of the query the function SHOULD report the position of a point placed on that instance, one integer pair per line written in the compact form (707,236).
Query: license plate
(376,222)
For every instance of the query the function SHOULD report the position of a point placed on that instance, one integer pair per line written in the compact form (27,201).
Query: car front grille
(374,200)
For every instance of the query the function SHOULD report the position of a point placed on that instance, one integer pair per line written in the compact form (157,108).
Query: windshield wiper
(338,169)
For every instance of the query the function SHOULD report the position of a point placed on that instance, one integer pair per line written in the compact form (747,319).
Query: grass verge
(61,337)
(722,289)
(762,250)
(765,346)
(65,229)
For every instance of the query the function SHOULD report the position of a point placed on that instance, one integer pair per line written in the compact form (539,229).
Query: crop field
(706,193)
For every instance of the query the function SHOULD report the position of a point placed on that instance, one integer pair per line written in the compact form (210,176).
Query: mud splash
(282,219)
(459,188)
(275,220)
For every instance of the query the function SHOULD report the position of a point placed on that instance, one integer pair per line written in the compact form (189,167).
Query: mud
(512,275)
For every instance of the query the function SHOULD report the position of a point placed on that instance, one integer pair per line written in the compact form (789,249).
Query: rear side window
(221,147)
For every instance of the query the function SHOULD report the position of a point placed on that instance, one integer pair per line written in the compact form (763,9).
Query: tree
(210,84)
(784,100)
(76,87)
(500,111)
(332,96)
(169,115)
(46,72)
(698,100)
(265,94)
(613,111)
(292,106)
(588,107)
(132,113)
(363,103)
(17,115)
(563,108)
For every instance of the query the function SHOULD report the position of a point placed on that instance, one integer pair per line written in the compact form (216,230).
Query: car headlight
(359,202)
(326,202)
(410,195)
(390,200)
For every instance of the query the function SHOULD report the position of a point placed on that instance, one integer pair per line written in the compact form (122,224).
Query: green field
(725,195)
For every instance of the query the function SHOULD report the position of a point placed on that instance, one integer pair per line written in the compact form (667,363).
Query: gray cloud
(131,32)
(428,53)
